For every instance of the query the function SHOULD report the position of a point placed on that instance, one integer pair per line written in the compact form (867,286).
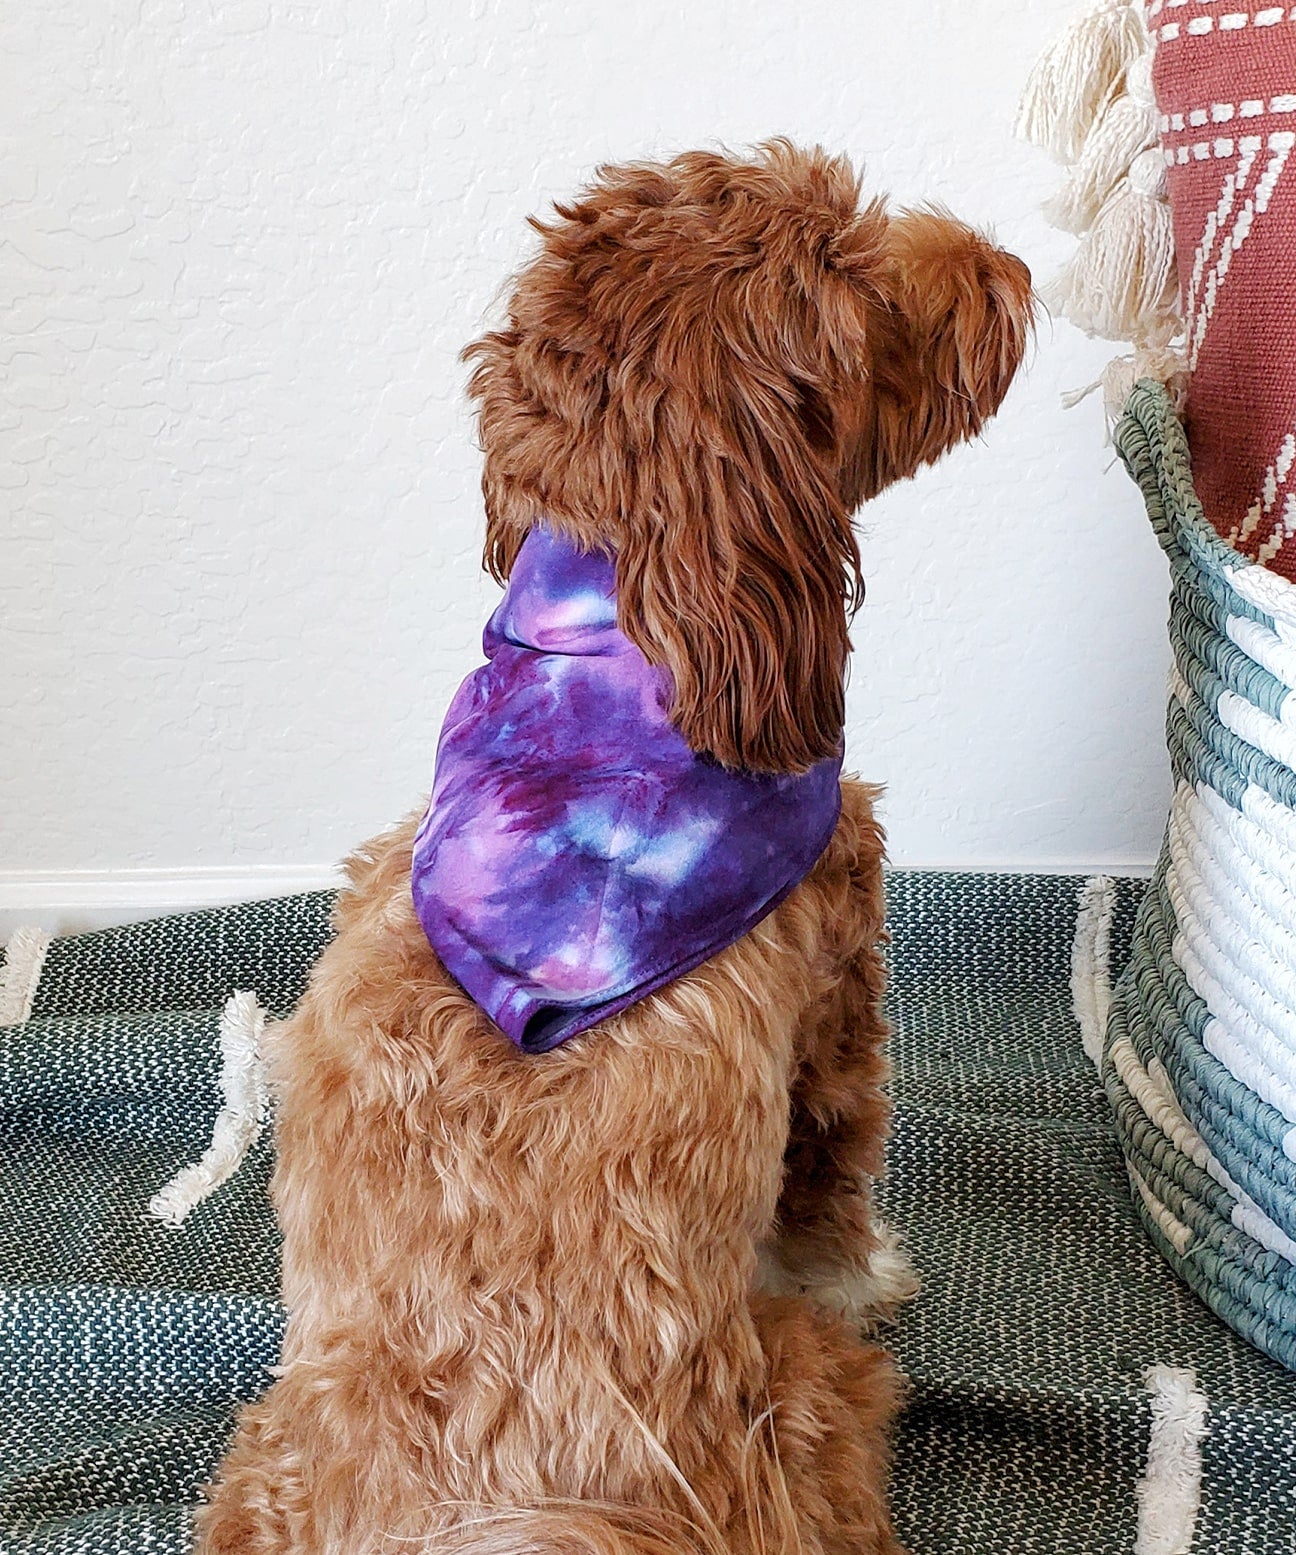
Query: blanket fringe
(1169,1494)
(239,1122)
(1091,964)
(20,975)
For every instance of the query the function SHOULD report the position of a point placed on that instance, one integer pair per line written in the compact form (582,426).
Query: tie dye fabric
(576,854)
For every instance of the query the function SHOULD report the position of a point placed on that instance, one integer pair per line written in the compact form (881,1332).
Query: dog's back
(517,1284)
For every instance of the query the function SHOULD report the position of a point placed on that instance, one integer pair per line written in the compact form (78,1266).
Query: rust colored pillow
(1225,81)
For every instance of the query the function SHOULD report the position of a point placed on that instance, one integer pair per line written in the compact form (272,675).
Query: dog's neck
(559,600)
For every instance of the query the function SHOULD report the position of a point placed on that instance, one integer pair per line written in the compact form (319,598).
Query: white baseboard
(74,900)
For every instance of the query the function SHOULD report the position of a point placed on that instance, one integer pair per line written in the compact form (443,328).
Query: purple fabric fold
(576,854)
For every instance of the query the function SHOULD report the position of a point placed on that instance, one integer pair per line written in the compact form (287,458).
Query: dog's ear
(961,319)
(740,571)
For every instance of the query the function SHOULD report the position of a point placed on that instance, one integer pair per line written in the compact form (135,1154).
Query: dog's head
(707,368)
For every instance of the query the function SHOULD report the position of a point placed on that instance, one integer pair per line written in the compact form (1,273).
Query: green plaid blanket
(126,1345)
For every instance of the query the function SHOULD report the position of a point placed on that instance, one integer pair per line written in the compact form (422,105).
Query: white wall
(244,241)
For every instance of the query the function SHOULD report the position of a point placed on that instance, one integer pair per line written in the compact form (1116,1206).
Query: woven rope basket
(1200,1053)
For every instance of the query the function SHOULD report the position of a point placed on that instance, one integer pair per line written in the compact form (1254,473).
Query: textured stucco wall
(243,241)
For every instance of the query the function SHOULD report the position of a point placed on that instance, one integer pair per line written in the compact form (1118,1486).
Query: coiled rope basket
(1199,1059)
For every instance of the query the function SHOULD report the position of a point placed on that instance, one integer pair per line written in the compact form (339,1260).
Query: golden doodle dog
(579,1116)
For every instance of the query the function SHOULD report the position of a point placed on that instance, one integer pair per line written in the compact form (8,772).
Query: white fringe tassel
(1090,101)
(1091,964)
(239,1122)
(1169,1494)
(1128,128)
(1120,284)
(1076,78)
(20,975)
(1164,363)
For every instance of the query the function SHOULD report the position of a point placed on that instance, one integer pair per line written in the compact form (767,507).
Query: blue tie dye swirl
(576,854)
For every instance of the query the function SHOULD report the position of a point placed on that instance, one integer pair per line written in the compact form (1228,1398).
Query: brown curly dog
(530,1296)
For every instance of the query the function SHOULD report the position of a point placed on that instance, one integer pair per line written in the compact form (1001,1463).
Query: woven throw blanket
(1225,81)
(1200,1057)
(126,1345)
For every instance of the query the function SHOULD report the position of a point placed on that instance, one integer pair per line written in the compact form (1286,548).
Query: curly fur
(523,1295)
(709,366)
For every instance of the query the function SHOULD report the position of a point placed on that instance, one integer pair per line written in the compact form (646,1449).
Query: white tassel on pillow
(1161,362)
(1127,128)
(1076,79)
(1090,100)
(1120,284)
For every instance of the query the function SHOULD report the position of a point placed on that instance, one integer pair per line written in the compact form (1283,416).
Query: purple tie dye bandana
(576,854)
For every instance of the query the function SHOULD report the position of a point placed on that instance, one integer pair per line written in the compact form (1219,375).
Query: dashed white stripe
(1280,145)
(1221,147)
(20,975)
(1233,183)
(1231,21)
(246,1098)
(1284,528)
(1279,470)
(1225,113)
(1275,478)
(1169,1494)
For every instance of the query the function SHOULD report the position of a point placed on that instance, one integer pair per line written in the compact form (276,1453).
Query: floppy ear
(963,314)
(738,579)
